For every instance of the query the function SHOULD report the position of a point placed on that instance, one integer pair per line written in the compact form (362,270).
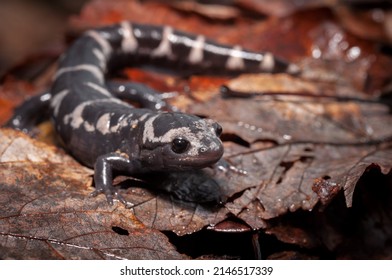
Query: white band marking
(235,60)
(56,101)
(93,69)
(105,45)
(196,54)
(98,88)
(268,62)
(75,118)
(103,123)
(164,48)
(129,42)
(101,58)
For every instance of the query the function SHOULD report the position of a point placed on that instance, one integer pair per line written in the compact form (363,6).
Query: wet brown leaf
(325,189)
(287,186)
(279,8)
(315,139)
(284,118)
(372,22)
(156,209)
(360,232)
(212,11)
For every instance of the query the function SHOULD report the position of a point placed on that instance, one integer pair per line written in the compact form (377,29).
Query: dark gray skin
(105,133)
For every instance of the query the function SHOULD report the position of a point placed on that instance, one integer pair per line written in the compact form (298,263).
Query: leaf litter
(306,144)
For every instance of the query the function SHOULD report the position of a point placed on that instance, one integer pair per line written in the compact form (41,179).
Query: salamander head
(176,141)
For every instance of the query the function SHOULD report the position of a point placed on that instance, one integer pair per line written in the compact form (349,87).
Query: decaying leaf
(213,11)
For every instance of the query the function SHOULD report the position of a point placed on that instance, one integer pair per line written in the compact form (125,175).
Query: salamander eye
(218,129)
(180,145)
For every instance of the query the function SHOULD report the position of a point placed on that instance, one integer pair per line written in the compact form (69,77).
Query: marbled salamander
(103,132)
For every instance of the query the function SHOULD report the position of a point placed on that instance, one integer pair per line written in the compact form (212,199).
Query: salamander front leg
(105,165)
(30,113)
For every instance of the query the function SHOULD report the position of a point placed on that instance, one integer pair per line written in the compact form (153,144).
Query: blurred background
(29,27)
(37,29)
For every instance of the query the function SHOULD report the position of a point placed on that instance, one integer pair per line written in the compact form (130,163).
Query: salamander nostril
(203,150)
